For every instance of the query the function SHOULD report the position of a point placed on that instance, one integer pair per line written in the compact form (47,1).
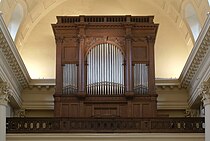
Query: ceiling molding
(197,55)
(12,56)
(12,68)
(202,75)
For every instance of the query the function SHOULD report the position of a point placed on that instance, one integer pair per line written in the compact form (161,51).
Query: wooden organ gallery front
(105,67)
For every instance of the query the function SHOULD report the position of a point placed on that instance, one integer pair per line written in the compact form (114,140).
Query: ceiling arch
(36,44)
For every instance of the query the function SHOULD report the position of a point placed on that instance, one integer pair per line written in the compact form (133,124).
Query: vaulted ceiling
(36,44)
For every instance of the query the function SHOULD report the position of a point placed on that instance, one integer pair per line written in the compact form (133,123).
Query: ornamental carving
(59,39)
(20,113)
(4,93)
(12,61)
(92,41)
(205,92)
(197,59)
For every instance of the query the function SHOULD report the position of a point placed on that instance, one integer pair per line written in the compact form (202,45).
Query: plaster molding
(197,55)
(171,84)
(205,93)
(4,93)
(7,75)
(19,112)
(170,105)
(202,75)
(39,105)
(12,56)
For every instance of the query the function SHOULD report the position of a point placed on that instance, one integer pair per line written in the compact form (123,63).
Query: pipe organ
(140,79)
(105,71)
(69,79)
(105,66)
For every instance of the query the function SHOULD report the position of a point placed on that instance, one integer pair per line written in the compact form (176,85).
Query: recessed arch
(15,21)
(192,20)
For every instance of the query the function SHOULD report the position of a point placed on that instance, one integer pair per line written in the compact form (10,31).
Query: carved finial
(5,92)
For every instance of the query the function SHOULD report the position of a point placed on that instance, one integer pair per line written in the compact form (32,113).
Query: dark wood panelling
(70,54)
(140,54)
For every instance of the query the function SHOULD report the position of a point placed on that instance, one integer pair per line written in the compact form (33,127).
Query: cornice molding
(167,84)
(7,75)
(202,75)
(12,68)
(197,55)
(11,54)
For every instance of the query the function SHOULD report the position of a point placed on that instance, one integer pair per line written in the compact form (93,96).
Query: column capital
(4,93)
(59,39)
(205,93)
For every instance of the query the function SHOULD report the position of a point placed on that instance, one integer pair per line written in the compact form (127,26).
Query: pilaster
(205,93)
(4,99)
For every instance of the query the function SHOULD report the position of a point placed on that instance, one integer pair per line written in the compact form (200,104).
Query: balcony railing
(105,125)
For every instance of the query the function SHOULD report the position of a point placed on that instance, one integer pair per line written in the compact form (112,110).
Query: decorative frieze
(12,61)
(200,50)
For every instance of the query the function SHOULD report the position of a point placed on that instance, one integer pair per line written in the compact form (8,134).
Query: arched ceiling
(36,43)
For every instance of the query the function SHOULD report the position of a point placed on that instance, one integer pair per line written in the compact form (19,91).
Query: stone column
(206,102)
(4,94)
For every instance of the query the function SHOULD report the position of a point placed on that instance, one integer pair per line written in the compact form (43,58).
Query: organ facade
(105,66)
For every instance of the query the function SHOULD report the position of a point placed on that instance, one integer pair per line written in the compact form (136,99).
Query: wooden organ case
(105,67)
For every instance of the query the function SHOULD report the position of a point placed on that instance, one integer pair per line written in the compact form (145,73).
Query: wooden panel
(123,110)
(70,54)
(65,110)
(97,112)
(146,110)
(136,110)
(114,112)
(105,111)
(139,54)
(74,110)
(71,41)
(105,32)
(88,110)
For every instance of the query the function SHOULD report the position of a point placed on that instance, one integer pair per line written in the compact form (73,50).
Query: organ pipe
(69,79)
(140,79)
(105,70)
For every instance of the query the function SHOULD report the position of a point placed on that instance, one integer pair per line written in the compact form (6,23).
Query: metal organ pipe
(105,70)
(140,79)
(69,79)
